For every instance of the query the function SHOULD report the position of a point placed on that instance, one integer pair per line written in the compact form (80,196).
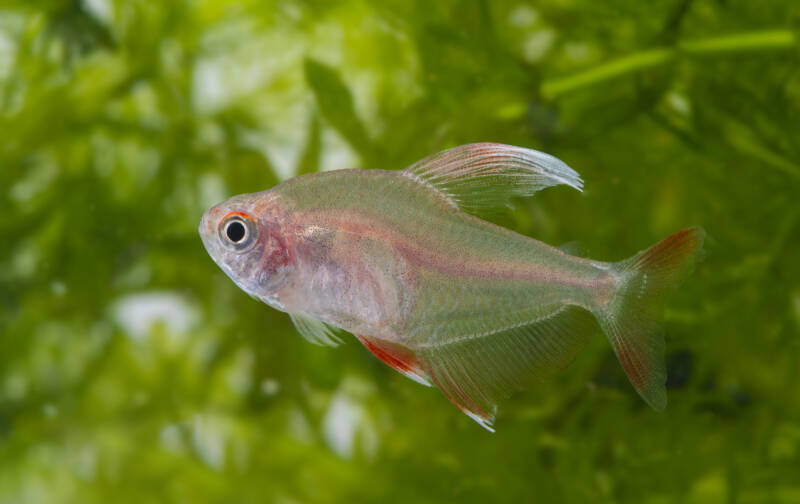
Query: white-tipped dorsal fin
(485,176)
(315,331)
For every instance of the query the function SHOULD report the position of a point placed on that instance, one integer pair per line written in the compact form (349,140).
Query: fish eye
(235,231)
(238,231)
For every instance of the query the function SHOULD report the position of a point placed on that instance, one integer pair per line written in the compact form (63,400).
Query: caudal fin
(631,320)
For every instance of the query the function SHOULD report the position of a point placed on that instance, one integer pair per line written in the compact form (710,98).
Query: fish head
(246,236)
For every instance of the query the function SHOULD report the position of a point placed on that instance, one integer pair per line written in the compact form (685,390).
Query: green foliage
(132,370)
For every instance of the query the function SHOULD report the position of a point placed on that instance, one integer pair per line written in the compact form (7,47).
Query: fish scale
(402,260)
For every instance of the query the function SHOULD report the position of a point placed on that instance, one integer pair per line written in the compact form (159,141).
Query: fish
(405,261)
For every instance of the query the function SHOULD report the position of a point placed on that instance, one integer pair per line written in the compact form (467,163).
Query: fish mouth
(203,225)
(203,228)
(207,232)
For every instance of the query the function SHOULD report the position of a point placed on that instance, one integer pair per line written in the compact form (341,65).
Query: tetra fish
(402,260)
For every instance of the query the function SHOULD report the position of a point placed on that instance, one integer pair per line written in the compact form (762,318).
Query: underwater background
(133,371)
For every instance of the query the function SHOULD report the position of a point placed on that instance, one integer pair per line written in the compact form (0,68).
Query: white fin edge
(483,422)
(414,376)
(482,176)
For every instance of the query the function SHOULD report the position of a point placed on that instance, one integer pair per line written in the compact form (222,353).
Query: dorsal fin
(315,331)
(482,177)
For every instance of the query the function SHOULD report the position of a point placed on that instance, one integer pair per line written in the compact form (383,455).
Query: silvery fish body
(402,260)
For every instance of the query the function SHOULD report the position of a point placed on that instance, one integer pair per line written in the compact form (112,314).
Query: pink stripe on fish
(420,255)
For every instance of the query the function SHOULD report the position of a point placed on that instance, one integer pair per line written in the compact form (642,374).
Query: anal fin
(396,356)
(475,371)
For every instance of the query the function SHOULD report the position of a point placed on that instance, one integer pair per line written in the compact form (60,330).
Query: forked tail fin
(631,320)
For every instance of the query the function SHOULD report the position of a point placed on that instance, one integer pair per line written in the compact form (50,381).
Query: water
(132,370)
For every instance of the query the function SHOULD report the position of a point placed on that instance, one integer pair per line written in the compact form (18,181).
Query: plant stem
(763,40)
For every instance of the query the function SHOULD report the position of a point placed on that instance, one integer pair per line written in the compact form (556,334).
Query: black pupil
(235,231)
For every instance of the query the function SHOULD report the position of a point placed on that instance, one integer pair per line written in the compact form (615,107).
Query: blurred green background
(133,371)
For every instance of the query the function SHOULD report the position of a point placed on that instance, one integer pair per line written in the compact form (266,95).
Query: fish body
(402,260)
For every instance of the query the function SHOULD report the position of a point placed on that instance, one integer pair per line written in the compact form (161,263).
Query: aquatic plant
(131,370)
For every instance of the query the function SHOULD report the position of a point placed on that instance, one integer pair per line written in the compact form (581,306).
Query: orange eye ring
(237,213)
(237,231)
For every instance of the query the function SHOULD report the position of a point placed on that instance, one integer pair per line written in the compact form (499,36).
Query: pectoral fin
(314,330)
(481,177)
